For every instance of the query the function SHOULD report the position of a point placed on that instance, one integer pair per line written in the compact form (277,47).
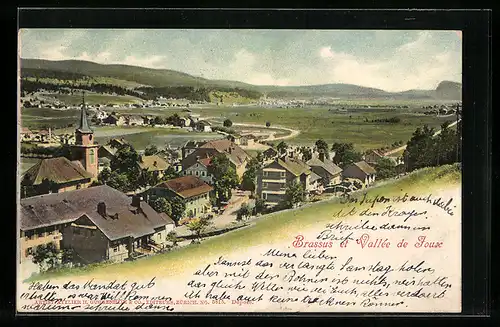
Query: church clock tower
(84,149)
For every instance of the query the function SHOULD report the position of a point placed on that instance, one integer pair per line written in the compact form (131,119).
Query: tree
(250,175)
(345,154)
(151,150)
(172,237)
(198,226)
(282,147)
(227,123)
(322,146)
(385,168)
(268,124)
(162,205)
(224,175)
(178,208)
(119,181)
(306,153)
(170,173)
(420,149)
(259,207)
(243,212)
(294,195)
(46,256)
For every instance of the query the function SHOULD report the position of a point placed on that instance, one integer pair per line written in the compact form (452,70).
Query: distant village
(66,207)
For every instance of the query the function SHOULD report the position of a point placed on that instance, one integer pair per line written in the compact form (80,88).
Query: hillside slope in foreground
(272,228)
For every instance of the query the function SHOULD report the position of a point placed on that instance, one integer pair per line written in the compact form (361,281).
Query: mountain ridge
(166,78)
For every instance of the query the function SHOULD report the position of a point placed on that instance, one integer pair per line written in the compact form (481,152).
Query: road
(271,137)
(401,148)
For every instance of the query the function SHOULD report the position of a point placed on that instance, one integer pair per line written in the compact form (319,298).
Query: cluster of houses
(100,223)
(45,137)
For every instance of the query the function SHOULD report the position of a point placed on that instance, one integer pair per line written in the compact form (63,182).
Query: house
(194,117)
(273,178)
(154,163)
(100,115)
(107,151)
(200,169)
(193,191)
(236,155)
(115,120)
(373,156)
(248,140)
(203,126)
(67,139)
(330,173)
(185,122)
(54,175)
(360,170)
(117,143)
(99,223)
(133,120)
(190,147)
(26,134)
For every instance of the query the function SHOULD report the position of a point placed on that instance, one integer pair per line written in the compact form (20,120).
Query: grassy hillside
(275,227)
(165,77)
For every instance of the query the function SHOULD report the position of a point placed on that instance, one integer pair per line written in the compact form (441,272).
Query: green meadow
(273,227)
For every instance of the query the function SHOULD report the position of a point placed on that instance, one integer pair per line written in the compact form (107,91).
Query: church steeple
(84,125)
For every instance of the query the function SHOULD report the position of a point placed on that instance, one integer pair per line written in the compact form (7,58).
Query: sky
(391,60)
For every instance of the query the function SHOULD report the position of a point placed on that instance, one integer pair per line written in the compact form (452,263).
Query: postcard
(239,170)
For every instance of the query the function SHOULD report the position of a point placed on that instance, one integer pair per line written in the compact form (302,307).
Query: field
(353,125)
(278,226)
(92,98)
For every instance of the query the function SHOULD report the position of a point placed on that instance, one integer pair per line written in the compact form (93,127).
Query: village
(72,208)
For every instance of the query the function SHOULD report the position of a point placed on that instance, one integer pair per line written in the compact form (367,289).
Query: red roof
(186,186)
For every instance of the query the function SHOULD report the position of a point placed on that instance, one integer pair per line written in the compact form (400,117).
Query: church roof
(59,170)
(84,124)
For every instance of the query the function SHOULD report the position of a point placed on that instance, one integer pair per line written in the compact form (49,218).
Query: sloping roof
(153,163)
(205,161)
(167,219)
(110,149)
(59,170)
(186,186)
(295,166)
(328,165)
(84,124)
(366,168)
(270,152)
(26,130)
(194,144)
(198,154)
(235,153)
(314,177)
(57,208)
(130,221)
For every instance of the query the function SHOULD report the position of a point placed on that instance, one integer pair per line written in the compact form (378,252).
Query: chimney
(136,201)
(101,208)
(322,156)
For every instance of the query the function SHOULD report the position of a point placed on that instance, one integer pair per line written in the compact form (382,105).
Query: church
(60,174)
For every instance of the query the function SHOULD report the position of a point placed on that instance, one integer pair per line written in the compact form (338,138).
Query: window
(264,195)
(92,156)
(266,173)
(264,184)
(196,173)
(282,174)
(115,249)
(78,186)
(185,172)
(282,186)
(203,173)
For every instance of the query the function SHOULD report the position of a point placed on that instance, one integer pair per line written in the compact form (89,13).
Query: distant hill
(447,90)
(161,78)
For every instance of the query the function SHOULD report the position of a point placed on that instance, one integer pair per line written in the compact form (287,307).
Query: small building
(360,170)
(203,126)
(107,151)
(190,147)
(373,156)
(193,191)
(200,169)
(114,120)
(98,224)
(330,173)
(26,134)
(117,143)
(133,120)
(155,164)
(54,175)
(185,122)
